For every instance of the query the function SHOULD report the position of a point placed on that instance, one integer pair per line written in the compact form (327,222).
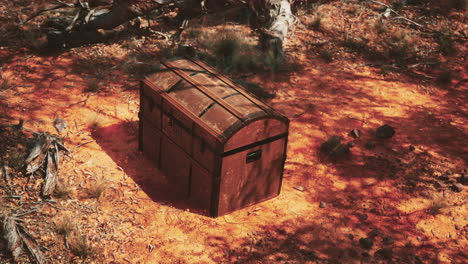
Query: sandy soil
(402,198)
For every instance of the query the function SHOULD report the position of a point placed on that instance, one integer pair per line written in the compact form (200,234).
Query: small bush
(326,55)
(228,51)
(80,246)
(98,188)
(5,82)
(380,27)
(65,226)
(446,44)
(316,22)
(16,159)
(194,33)
(354,44)
(62,191)
(93,86)
(445,77)
(438,203)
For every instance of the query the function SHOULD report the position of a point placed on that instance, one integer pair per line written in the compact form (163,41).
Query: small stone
(351,236)
(457,187)
(369,145)
(418,238)
(60,125)
(351,144)
(385,131)
(366,242)
(444,177)
(438,184)
(355,133)
(448,172)
(365,255)
(374,233)
(331,144)
(411,148)
(463,179)
(388,240)
(323,204)
(386,253)
(299,188)
(364,217)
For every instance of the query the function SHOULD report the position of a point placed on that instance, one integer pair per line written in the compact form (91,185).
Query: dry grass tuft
(62,191)
(66,225)
(438,203)
(98,188)
(5,81)
(80,246)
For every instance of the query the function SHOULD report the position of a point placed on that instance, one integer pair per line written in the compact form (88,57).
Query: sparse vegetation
(80,246)
(413,182)
(5,82)
(93,86)
(98,188)
(326,55)
(316,22)
(438,204)
(65,225)
(62,191)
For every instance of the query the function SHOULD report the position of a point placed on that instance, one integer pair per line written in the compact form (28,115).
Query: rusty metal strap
(205,91)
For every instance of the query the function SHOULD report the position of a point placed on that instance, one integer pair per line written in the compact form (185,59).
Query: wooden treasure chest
(218,145)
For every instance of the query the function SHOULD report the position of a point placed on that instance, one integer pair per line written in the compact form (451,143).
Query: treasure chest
(219,147)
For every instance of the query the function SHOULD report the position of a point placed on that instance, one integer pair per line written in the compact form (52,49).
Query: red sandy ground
(383,188)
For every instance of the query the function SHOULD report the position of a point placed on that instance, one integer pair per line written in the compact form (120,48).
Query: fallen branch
(17,236)
(60,5)
(82,144)
(399,16)
(45,154)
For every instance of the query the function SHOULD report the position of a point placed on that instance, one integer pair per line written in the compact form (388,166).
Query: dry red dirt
(406,195)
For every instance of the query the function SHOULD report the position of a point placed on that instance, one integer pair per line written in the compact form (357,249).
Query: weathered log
(274,19)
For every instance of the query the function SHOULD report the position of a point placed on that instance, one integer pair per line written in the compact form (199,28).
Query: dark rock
(438,184)
(351,236)
(369,145)
(366,242)
(329,145)
(386,253)
(385,131)
(365,255)
(463,179)
(374,233)
(388,240)
(323,204)
(444,177)
(411,148)
(448,172)
(334,148)
(351,144)
(364,217)
(355,133)
(457,187)
(60,125)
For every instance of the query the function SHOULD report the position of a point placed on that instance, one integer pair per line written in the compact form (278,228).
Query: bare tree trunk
(276,19)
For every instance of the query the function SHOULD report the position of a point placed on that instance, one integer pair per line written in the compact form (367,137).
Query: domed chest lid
(222,105)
